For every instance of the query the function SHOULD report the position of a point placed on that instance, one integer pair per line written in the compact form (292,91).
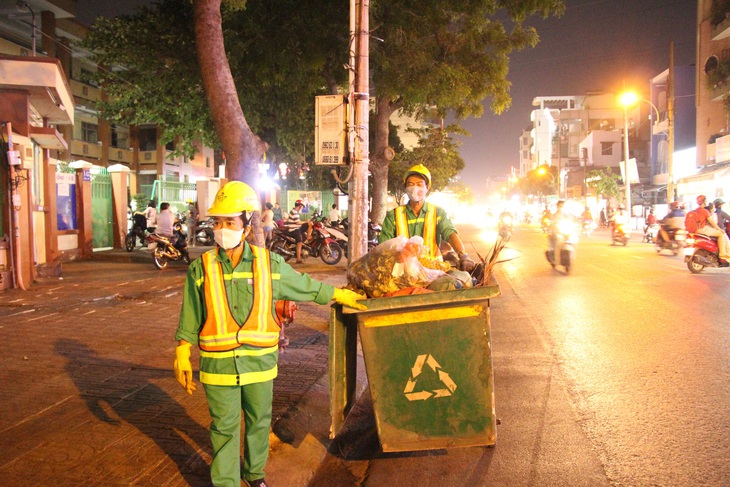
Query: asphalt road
(616,374)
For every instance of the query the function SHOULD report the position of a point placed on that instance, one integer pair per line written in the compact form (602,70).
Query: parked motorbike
(166,249)
(321,245)
(702,251)
(620,234)
(373,233)
(204,232)
(138,231)
(677,237)
(505,226)
(566,239)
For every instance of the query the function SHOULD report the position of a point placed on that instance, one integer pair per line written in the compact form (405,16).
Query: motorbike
(586,227)
(166,249)
(321,245)
(565,241)
(620,234)
(204,232)
(677,237)
(505,226)
(138,231)
(702,251)
(651,232)
(373,233)
(527,218)
(545,224)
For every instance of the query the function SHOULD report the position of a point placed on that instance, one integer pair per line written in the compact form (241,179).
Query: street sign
(330,130)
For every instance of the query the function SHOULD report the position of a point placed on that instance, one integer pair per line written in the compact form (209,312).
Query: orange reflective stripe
(221,331)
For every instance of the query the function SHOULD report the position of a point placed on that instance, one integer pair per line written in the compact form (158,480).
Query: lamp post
(20,4)
(542,170)
(627,99)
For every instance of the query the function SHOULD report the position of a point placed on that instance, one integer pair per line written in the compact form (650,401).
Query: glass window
(120,137)
(607,148)
(89,132)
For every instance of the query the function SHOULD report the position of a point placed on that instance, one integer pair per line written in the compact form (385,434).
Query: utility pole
(358,187)
(670,125)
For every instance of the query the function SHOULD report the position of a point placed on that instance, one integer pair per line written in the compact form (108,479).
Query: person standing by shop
(192,222)
(232,319)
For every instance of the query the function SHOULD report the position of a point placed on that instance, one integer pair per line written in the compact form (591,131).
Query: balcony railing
(84,91)
(721,30)
(148,157)
(121,155)
(85,149)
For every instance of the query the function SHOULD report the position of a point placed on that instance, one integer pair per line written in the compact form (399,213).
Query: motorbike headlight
(690,241)
(565,227)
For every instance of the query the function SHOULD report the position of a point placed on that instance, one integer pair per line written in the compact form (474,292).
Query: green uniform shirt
(251,364)
(444,227)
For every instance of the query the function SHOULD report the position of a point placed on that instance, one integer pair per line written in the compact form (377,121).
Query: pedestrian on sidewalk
(228,310)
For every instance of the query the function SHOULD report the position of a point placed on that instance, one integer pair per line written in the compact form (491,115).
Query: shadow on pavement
(118,393)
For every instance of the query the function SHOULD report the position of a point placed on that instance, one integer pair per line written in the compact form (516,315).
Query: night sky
(597,45)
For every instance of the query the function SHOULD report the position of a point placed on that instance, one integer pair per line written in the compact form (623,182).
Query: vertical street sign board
(330,130)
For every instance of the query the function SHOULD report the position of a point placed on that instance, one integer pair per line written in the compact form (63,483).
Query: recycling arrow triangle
(410,391)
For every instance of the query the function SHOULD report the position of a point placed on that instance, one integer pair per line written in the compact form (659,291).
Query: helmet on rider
(233,199)
(421,171)
(674,205)
(701,199)
(298,203)
(718,202)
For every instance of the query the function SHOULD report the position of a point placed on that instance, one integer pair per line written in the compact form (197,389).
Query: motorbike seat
(703,236)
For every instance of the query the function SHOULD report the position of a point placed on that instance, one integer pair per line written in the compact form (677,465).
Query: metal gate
(101,210)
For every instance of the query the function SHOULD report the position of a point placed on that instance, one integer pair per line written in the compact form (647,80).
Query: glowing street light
(627,99)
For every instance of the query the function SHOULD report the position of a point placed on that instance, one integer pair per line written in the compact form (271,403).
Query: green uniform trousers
(225,404)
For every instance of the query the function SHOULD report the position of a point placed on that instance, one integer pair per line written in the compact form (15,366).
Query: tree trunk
(242,147)
(378,164)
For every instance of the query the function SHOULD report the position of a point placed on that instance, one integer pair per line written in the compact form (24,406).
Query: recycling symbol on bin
(416,370)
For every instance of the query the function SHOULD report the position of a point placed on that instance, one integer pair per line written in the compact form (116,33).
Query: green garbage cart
(428,362)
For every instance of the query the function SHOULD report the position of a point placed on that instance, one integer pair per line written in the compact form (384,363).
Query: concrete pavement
(88,394)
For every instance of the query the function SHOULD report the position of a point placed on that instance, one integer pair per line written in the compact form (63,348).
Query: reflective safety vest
(429,228)
(221,332)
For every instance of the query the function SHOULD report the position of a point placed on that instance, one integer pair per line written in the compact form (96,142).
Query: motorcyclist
(555,220)
(620,219)
(586,216)
(709,228)
(650,220)
(722,217)
(673,221)
(295,227)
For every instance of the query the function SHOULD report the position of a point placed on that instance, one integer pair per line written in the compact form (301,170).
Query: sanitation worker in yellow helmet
(228,311)
(417,217)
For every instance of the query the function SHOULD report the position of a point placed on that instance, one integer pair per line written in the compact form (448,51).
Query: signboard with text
(330,130)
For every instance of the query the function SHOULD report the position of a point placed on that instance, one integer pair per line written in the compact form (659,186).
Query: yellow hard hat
(233,199)
(419,170)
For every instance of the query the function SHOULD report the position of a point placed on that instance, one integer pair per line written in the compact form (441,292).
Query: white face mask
(226,238)
(416,193)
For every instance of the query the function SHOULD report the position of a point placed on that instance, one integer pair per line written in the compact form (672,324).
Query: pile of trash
(401,266)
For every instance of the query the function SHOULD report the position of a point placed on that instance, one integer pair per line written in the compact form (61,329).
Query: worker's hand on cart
(183,368)
(465,263)
(345,297)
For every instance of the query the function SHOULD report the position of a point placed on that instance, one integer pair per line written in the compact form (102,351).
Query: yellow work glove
(345,297)
(183,367)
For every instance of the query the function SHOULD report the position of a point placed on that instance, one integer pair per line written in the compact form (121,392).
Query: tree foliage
(436,150)
(280,53)
(605,181)
(444,56)
(537,182)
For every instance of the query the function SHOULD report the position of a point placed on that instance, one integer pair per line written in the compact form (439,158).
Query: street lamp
(20,4)
(542,170)
(627,99)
